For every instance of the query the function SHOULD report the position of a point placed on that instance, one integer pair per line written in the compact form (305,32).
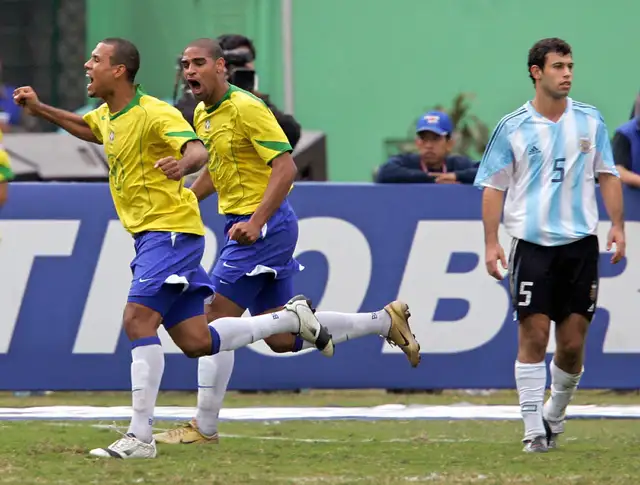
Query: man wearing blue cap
(433,162)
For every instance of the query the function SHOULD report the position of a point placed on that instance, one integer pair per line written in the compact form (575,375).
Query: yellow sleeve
(93,118)
(263,129)
(172,128)
(6,174)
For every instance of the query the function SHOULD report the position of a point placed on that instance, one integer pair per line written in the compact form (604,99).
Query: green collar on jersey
(134,102)
(232,89)
(226,96)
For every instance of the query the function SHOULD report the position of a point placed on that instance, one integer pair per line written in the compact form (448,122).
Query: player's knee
(194,349)
(569,352)
(140,321)
(281,343)
(533,342)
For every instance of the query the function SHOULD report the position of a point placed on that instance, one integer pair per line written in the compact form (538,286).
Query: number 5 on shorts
(525,292)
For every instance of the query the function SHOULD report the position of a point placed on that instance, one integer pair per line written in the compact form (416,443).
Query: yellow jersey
(134,139)
(6,174)
(242,136)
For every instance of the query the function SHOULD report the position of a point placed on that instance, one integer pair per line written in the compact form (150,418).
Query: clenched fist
(26,97)
(170,167)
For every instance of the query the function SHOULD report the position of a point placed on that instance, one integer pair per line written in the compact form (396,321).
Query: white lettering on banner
(426,281)
(21,242)
(349,259)
(102,317)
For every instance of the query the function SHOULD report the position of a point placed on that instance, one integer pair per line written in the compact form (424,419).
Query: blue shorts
(259,276)
(168,277)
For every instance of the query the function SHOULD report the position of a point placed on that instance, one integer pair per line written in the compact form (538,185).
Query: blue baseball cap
(436,121)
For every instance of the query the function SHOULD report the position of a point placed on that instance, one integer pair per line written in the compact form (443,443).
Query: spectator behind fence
(433,162)
(626,152)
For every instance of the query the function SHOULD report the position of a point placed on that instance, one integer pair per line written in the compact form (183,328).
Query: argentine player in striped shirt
(547,156)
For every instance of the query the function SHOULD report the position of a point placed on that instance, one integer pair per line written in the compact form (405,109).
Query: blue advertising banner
(64,261)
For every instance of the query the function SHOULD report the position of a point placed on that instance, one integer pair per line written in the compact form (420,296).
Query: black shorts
(554,280)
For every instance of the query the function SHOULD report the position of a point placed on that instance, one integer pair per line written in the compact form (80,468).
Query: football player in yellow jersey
(252,170)
(6,175)
(149,147)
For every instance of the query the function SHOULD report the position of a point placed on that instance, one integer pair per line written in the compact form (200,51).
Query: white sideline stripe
(385,412)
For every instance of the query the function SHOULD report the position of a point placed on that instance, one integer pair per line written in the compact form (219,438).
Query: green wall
(162,28)
(365,69)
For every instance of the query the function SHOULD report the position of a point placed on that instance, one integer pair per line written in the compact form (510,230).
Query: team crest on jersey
(585,145)
(207,125)
(112,135)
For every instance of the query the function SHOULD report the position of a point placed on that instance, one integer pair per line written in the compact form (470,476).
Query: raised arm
(68,121)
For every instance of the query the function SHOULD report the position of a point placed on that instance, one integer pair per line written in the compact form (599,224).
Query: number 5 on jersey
(558,170)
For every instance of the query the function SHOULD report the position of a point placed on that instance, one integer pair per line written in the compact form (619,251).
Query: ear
(120,71)
(450,142)
(536,72)
(220,65)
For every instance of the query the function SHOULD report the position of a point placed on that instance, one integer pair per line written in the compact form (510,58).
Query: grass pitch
(324,452)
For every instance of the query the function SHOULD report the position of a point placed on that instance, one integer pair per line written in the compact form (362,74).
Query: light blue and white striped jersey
(548,170)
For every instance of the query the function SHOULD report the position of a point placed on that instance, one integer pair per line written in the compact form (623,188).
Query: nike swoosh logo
(227,265)
(145,280)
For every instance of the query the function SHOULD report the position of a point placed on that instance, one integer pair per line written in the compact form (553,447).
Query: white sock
(347,326)
(233,333)
(147,367)
(563,386)
(214,372)
(531,380)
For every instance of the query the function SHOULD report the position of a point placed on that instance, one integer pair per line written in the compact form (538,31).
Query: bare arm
(611,189)
(194,157)
(283,174)
(492,200)
(68,121)
(203,186)
(628,177)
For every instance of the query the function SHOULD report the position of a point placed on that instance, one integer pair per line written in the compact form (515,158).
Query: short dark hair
(125,53)
(538,53)
(212,46)
(229,42)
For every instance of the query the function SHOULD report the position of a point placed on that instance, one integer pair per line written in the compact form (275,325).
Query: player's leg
(222,336)
(581,279)
(141,319)
(152,293)
(214,371)
(530,270)
(196,339)
(392,323)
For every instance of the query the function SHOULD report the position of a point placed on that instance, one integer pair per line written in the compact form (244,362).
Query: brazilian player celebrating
(251,169)
(149,147)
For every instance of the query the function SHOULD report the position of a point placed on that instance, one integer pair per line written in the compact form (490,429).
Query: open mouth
(90,78)
(195,86)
